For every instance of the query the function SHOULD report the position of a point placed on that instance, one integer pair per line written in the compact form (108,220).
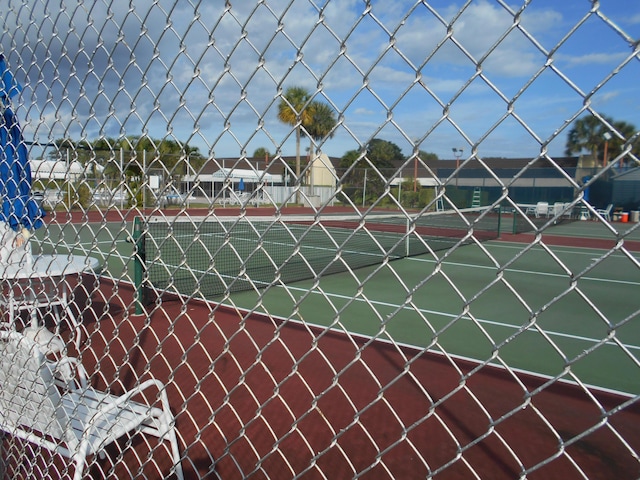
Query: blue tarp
(19,208)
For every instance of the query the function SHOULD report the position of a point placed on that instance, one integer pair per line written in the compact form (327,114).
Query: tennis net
(215,255)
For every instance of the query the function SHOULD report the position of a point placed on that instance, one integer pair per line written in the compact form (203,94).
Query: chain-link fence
(339,239)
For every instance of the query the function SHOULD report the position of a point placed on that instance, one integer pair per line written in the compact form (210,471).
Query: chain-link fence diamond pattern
(317,293)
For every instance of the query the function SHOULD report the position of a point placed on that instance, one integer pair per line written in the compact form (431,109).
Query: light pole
(415,166)
(457,152)
(607,137)
(415,174)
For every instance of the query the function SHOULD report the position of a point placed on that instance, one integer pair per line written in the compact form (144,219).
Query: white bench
(49,403)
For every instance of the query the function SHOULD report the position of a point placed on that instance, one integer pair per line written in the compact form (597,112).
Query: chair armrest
(112,402)
(126,397)
(68,372)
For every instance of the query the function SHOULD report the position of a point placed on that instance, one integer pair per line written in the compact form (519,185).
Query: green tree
(294,110)
(169,156)
(323,122)
(427,156)
(384,154)
(616,145)
(261,152)
(348,171)
(175,157)
(106,151)
(358,168)
(588,135)
(585,135)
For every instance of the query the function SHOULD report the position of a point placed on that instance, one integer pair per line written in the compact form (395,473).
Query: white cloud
(160,66)
(363,111)
(605,98)
(592,59)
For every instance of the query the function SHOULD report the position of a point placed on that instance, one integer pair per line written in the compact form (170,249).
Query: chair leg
(3,467)
(75,326)
(167,431)
(79,460)
(71,320)
(175,453)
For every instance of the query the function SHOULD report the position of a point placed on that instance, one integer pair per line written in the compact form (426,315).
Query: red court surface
(256,398)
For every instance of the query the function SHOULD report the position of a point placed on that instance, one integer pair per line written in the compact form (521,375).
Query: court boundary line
(246,313)
(418,350)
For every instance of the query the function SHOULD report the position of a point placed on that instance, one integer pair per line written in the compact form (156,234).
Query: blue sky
(440,73)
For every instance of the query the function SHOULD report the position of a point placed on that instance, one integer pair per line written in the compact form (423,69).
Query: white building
(210,183)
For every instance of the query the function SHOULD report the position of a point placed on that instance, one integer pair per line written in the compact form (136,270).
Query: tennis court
(417,304)
(441,358)
(557,310)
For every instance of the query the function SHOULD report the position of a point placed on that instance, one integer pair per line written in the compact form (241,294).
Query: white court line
(562,248)
(513,246)
(480,320)
(527,272)
(450,315)
(444,314)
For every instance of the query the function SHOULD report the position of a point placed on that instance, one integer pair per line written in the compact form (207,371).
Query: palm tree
(627,130)
(323,122)
(586,134)
(294,110)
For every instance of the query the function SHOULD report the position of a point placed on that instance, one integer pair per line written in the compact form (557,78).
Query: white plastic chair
(605,212)
(542,209)
(561,209)
(49,404)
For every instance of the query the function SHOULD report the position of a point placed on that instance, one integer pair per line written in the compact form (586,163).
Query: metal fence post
(138,265)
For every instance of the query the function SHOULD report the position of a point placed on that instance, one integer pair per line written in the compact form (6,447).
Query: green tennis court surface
(552,310)
(216,255)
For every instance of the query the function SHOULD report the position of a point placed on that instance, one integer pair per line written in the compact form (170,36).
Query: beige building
(322,172)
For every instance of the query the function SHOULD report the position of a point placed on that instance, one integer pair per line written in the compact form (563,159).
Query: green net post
(138,265)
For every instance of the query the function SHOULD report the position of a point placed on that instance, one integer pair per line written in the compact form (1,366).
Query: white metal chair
(568,210)
(542,209)
(39,297)
(38,286)
(605,212)
(558,208)
(50,404)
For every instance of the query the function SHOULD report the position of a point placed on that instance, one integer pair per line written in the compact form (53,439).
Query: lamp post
(607,137)
(416,142)
(457,152)
(415,174)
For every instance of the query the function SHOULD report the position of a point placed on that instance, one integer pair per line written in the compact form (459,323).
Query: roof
(496,163)
(235,175)
(275,166)
(627,175)
(43,167)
